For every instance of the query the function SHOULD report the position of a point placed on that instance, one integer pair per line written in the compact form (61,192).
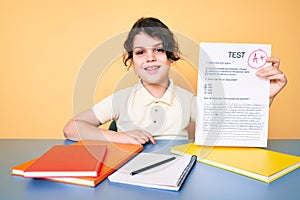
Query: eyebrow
(156,45)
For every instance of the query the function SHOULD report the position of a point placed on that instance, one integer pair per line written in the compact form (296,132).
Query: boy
(155,107)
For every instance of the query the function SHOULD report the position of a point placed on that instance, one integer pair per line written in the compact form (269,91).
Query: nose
(150,56)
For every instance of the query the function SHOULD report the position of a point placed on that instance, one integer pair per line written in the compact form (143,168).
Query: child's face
(150,60)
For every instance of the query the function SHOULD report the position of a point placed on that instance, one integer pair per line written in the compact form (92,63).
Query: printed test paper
(232,102)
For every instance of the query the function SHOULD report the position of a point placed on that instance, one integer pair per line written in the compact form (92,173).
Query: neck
(157,90)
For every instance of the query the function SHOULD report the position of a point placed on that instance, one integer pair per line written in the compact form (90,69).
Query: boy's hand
(133,137)
(277,79)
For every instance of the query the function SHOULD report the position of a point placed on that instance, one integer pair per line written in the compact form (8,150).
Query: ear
(171,61)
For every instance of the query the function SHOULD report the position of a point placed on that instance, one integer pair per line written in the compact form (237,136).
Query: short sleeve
(104,110)
(111,107)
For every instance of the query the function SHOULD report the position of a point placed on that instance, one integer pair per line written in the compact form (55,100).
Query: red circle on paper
(257,59)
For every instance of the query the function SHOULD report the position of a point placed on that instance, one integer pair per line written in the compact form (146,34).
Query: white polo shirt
(135,108)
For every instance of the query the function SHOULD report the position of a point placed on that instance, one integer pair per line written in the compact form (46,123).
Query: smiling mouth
(151,68)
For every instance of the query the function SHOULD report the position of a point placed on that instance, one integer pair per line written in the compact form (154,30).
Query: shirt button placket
(156,116)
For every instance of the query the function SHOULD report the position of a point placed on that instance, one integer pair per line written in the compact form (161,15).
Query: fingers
(277,78)
(141,137)
(149,137)
(272,71)
(273,74)
(280,77)
(268,72)
(152,140)
(275,61)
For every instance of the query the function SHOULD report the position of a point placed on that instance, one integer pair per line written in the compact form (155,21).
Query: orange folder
(117,154)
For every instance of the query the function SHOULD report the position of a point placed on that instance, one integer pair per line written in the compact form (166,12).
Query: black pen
(152,166)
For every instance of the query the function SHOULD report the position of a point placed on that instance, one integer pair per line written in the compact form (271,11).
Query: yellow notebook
(261,164)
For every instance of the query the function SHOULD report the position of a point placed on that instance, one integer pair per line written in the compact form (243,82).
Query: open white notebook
(169,176)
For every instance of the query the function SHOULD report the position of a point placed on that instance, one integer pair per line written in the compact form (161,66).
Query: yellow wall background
(43,45)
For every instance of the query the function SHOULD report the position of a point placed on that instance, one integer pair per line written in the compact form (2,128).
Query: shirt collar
(167,98)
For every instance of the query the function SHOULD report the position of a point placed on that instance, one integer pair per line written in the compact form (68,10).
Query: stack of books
(84,163)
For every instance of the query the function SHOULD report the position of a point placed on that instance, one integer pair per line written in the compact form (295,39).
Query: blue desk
(205,182)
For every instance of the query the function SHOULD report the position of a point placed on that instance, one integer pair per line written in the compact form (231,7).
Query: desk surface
(204,182)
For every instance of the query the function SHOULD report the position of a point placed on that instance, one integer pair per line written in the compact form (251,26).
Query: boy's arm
(85,126)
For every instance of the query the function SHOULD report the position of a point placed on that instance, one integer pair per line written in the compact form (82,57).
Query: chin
(154,81)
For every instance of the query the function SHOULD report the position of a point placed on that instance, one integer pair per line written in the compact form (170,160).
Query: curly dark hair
(156,29)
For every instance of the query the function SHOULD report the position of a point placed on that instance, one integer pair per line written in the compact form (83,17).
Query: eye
(138,52)
(160,50)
